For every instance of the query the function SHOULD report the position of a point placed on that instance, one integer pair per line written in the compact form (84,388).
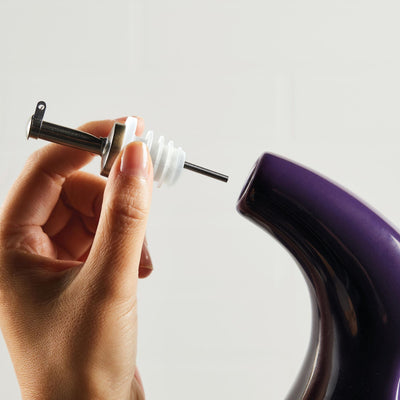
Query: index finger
(37,189)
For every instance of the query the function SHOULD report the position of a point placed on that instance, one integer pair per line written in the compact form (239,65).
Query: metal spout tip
(206,172)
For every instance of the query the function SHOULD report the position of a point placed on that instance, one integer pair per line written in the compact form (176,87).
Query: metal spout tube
(68,137)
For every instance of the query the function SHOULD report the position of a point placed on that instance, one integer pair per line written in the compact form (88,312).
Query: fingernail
(145,259)
(135,160)
(138,378)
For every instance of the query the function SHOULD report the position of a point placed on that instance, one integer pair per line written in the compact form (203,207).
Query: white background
(225,314)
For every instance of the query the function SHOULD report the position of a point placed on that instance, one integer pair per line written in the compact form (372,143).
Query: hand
(69,263)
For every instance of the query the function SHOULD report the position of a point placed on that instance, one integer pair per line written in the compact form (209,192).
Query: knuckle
(35,164)
(33,159)
(127,211)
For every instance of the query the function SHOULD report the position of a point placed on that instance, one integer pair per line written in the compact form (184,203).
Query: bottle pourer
(168,160)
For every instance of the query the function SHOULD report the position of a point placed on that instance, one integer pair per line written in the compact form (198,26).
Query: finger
(58,219)
(36,191)
(82,193)
(73,241)
(115,254)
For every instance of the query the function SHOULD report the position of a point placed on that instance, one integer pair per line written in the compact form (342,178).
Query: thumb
(114,258)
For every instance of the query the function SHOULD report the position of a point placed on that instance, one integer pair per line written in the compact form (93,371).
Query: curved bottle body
(350,258)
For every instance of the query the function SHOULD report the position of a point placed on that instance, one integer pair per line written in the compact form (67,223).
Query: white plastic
(167,159)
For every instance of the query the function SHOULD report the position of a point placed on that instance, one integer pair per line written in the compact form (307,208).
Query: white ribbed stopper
(167,159)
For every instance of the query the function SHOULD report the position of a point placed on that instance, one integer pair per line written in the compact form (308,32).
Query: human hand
(69,263)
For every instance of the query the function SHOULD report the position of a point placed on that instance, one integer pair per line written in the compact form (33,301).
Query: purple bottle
(350,258)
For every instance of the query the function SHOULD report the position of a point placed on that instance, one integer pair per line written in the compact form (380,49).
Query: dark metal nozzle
(205,171)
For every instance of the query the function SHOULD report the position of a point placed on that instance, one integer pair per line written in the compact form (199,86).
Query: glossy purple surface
(350,258)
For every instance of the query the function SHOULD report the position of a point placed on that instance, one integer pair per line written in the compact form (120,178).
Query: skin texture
(71,244)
